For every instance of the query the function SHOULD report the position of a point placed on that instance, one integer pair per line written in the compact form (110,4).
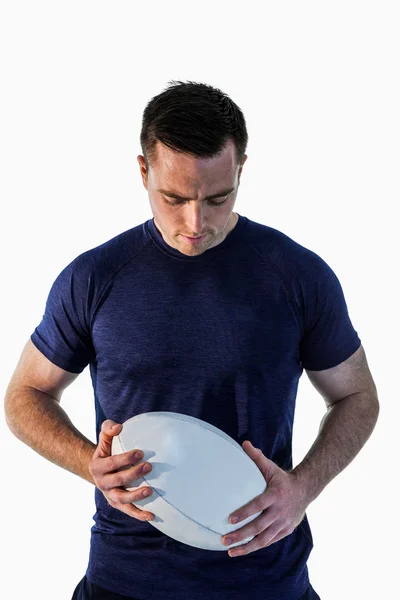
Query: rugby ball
(199,477)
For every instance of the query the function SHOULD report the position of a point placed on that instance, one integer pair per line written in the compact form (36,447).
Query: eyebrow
(178,197)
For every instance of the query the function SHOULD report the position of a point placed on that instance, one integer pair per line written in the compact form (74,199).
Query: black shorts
(90,591)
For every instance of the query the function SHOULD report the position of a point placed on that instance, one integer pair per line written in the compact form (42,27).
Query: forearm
(344,429)
(38,420)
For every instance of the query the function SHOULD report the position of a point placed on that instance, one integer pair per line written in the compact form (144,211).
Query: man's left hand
(283,504)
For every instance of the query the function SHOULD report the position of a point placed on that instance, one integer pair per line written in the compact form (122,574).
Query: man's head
(193,141)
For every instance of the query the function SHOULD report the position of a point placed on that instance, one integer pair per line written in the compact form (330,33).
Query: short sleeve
(63,335)
(328,337)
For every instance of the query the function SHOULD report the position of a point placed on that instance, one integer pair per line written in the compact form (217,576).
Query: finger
(256,505)
(136,513)
(266,466)
(255,453)
(120,496)
(117,462)
(264,521)
(260,541)
(124,478)
(109,429)
(278,537)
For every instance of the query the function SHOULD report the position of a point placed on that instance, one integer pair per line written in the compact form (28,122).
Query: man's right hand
(105,470)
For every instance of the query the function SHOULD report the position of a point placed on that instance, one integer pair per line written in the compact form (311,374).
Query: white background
(318,83)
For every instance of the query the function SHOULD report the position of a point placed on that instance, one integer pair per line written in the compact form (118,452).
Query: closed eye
(212,202)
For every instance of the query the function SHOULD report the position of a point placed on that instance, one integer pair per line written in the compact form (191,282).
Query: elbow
(376,407)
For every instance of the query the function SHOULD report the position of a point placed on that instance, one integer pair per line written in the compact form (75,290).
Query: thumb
(266,466)
(109,429)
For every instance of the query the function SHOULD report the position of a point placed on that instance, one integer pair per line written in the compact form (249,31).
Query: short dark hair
(192,118)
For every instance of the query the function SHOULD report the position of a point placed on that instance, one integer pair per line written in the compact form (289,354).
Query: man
(204,312)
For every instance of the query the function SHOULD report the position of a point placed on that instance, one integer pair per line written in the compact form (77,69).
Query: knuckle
(287,524)
(118,480)
(118,496)
(265,538)
(111,501)
(259,527)
(258,504)
(110,463)
(99,483)
(281,493)
(111,493)
(99,466)
(289,529)
(124,501)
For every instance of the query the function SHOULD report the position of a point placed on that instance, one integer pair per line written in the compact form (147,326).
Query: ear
(241,168)
(143,170)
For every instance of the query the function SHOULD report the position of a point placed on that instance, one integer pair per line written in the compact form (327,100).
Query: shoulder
(287,256)
(100,263)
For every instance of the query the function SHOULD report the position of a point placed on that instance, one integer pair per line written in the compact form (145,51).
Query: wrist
(306,482)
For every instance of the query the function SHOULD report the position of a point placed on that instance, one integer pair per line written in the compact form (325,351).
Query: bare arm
(352,411)
(34,415)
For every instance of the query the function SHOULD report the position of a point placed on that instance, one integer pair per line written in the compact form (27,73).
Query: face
(179,189)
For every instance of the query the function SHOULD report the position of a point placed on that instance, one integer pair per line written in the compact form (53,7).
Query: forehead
(175,166)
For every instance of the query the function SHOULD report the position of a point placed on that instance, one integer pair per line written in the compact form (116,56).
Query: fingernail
(228,541)
(138,455)
(234,519)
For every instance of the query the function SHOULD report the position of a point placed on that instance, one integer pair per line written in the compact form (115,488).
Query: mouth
(195,240)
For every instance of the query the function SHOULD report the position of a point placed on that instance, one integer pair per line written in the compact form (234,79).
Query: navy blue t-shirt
(223,336)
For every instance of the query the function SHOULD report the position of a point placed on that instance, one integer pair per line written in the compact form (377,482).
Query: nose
(195,219)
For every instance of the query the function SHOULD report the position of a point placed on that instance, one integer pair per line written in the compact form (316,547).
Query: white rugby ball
(199,477)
